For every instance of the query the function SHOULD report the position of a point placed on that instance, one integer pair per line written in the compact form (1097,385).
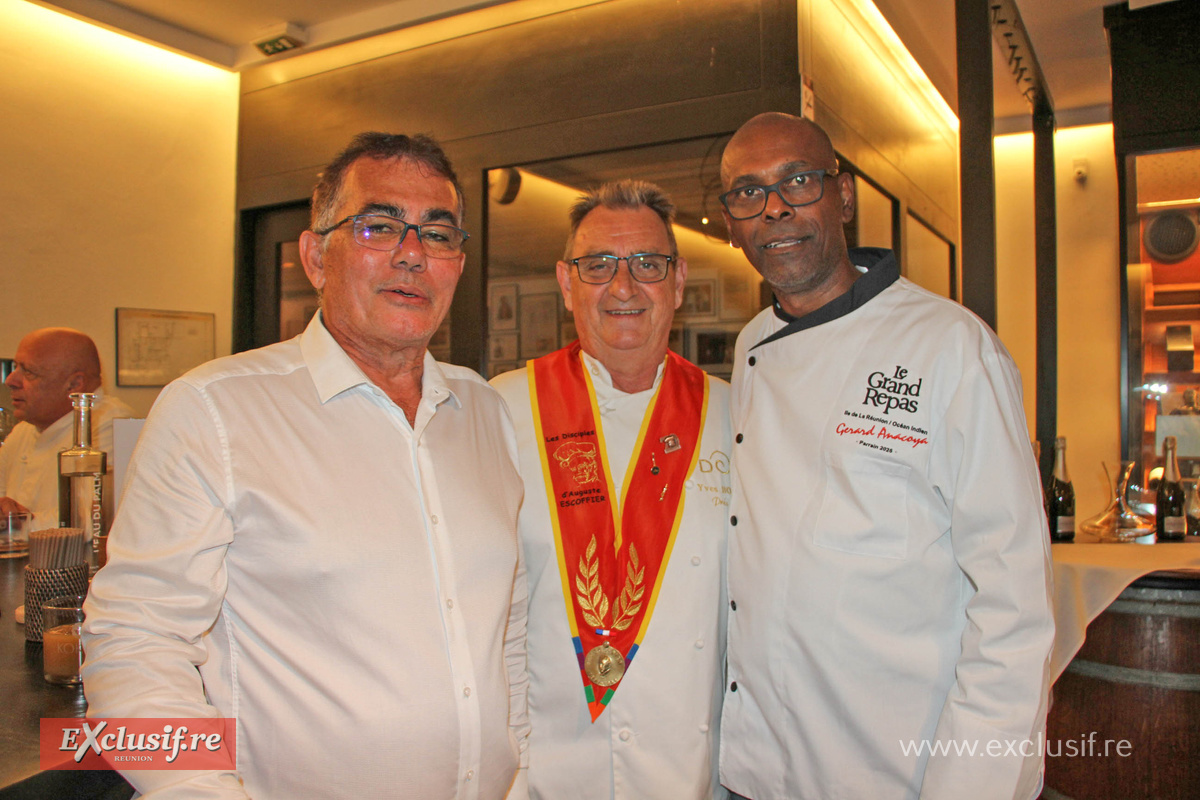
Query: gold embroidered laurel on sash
(612,555)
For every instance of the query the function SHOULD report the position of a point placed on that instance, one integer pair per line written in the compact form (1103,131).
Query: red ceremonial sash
(612,556)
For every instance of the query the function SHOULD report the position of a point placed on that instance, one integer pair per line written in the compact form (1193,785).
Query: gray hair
(626,194)
(380,146)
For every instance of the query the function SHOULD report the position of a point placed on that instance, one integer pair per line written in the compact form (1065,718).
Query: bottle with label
(81,469)
(1060,497)
(1170,520)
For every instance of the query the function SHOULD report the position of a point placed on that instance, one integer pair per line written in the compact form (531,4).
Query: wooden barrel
(1125,716)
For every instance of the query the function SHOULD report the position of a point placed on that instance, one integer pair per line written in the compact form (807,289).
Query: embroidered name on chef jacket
(892,392)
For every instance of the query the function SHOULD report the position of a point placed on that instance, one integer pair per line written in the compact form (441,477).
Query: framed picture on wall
(502,307)
(710,347)
(503,347)
(699,299)
(739,295)
(156,347)
(539,324)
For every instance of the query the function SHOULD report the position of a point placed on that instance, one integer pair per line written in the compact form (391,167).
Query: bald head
(51,364)
(777,127)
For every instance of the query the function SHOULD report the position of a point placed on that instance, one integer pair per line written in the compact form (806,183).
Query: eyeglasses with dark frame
(643,267)
(798,189)
(384,233)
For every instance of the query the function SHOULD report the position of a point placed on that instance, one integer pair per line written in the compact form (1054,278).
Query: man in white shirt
(50,364)
(888,559)
(326,528)
(624,451)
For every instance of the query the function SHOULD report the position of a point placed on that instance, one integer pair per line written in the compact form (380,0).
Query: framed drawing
(699,299)
(739,295)
(710,347)
(539,324)
(503,347)
(502,307)
(156,347)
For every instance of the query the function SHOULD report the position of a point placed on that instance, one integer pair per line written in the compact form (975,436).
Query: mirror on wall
(527,234)
(1163,295)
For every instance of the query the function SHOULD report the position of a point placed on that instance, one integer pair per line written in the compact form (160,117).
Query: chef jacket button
(625,736)
(704,727)
(733,520)
(733,686)
(738,439)
(699,644)
(450,604)
(466,691)
(733,604)
(688,484)
(470,774)
(595,371)
(753,361)
(695,561)
(434,519)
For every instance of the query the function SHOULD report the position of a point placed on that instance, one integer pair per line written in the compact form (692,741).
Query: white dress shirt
(657,739)
(29,459)
(341,578)
(889,567)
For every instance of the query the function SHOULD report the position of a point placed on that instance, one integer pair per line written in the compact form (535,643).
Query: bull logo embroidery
(580,459)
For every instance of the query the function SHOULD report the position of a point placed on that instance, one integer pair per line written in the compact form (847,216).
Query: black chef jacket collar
(882,272)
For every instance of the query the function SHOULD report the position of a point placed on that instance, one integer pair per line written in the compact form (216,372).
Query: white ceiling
(1067,35)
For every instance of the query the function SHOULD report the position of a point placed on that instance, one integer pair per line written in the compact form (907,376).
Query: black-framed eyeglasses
(643,267)
(797,189)
(381,232)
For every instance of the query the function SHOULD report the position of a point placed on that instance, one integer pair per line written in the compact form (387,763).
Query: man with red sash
(624,450)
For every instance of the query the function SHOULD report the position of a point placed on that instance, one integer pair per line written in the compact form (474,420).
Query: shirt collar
(602,379)
(333,371)
(880,271)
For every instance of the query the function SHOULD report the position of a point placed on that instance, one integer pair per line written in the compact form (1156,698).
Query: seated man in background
(624,450)
(326,528)
(50,364)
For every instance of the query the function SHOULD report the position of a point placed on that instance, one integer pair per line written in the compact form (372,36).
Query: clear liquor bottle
(81,470)
(1170,520)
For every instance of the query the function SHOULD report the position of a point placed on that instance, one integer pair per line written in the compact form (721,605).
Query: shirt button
(704,727)
(625,736)
(738,439)
(753,361)
(733,604)
(695,561)
(434,518)
(466,691)
(733,520)
(733,686)
(450,604)
(699,644)
(470,774)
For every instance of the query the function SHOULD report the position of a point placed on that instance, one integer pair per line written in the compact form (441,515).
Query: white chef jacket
(658,736)
(889,568)
(341,578)
(29,459)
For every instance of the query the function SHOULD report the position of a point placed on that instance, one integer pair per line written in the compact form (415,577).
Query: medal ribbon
(612,557)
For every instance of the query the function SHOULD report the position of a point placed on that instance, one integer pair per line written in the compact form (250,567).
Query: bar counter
(25,698)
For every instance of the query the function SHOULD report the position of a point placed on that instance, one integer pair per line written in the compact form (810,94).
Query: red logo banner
(127,743)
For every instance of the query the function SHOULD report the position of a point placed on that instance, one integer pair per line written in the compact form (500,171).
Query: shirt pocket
(865,507)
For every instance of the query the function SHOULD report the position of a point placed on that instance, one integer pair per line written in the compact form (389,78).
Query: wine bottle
(81,469)
(1060,497)
(1169,520)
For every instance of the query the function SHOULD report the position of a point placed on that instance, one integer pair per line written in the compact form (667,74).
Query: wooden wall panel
(602,59)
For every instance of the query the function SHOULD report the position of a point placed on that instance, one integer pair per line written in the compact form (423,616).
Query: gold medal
(604,665)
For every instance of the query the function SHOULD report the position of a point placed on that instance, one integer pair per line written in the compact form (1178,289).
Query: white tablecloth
(1089,576)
